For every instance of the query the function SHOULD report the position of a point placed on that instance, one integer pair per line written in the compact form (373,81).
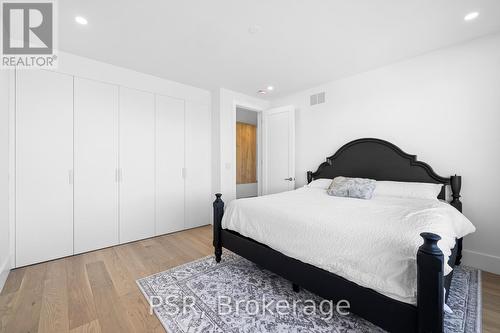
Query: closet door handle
(70,176)
(184,172)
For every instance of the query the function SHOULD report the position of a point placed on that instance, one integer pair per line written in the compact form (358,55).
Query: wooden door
(246,153)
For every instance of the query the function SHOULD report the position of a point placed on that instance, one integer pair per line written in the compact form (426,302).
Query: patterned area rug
(238,296)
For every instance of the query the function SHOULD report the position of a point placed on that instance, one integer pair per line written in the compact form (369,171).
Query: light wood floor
(96,291)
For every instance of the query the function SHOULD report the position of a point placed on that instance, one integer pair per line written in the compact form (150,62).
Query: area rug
(239,296)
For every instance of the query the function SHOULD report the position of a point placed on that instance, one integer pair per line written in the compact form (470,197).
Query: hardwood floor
(491,303)
(96,291)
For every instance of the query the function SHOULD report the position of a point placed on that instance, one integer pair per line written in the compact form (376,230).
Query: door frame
(291,152)
(259,112)
(12,166)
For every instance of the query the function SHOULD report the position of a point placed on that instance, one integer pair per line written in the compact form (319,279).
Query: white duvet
(370,242)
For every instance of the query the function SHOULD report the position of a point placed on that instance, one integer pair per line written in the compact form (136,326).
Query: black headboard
(381,160)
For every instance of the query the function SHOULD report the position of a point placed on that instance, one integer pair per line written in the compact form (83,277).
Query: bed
(375,261)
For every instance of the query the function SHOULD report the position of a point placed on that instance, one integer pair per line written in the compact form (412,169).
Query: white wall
(247,190)
(4,177)
(246,116)
(91,69)
(443,106)
(216,145)
(225,142)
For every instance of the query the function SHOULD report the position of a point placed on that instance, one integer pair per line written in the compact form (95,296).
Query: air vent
(317,98)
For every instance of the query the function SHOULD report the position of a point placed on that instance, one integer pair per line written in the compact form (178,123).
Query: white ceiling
(302,43)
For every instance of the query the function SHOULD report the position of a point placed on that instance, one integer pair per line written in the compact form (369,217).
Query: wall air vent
(317,98)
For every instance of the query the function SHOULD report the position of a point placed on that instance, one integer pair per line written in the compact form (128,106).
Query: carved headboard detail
(381,160)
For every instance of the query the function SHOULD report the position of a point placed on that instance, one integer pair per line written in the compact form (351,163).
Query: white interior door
(279,149)
(137,165)
(44,166)
(198,183)
(169,164)
(96,197)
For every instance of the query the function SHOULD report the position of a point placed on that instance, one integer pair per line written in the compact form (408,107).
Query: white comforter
(370,242)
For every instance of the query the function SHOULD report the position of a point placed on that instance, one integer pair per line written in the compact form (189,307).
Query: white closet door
(137,164)
(96,197)
(44,163)
(169,164)
(198,157)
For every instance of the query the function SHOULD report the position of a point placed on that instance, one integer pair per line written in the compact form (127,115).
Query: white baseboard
(4,272)
(483,261)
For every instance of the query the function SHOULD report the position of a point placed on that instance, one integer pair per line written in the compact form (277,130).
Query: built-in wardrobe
(99,164)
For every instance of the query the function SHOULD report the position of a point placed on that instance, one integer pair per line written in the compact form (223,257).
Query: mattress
(373,243)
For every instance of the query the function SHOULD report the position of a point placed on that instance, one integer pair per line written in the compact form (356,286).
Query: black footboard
(390,314)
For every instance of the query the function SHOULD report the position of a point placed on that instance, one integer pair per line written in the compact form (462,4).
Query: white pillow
(407,190)
(323,183)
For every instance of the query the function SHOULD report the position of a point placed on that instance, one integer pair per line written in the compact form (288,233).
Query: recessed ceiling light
(471,16)
(270,88)
(81,20)
(262,91)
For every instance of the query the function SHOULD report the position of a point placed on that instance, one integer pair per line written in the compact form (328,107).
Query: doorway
(247,152)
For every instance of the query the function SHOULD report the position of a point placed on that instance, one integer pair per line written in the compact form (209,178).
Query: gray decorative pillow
(361,188)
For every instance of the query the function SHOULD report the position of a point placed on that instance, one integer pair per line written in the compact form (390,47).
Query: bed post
(430,285)
(456,185)
(309,176)
(218,212)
